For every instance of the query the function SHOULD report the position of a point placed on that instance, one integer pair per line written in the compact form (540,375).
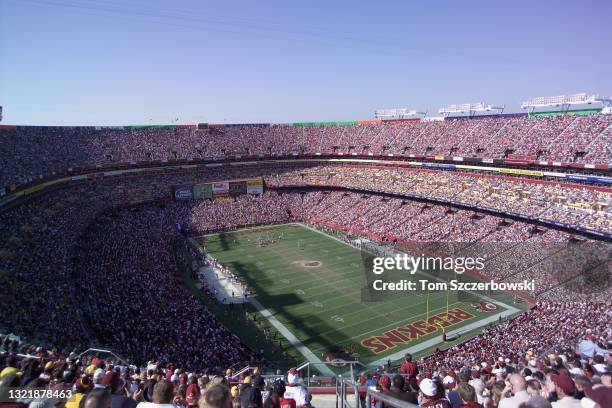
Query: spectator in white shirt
(517,385)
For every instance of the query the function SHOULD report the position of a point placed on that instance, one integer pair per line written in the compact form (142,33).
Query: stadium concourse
(92,245)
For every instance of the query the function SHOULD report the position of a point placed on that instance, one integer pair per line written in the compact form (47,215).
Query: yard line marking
(499,303)
(388,325)
(335,289)
(339,279)
(344,295)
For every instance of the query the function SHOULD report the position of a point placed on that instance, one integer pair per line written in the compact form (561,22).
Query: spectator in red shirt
(409,367)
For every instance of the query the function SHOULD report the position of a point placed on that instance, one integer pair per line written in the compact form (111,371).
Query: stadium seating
(34,152)
(571,205)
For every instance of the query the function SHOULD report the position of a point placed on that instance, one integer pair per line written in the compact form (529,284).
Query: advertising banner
(522,172)
(392,121)
(33,189)
(345,123)
(220,188)
(202,191)
(183,193)
(237,188)
(254,186)
(594,179)
(439,166)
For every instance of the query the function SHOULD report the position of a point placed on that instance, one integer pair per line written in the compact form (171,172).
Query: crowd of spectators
(553,355)
(92,263)
(561,265)
(571,205)
(34,152)
(206,216)
(39,241)
(35,377)
(550,327)
(134,300)
(501,368)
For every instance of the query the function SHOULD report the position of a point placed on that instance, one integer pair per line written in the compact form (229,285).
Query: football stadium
(258,250)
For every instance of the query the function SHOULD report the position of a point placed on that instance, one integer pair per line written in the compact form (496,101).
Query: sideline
(295,342)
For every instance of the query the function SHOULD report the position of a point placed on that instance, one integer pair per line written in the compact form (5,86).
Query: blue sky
(108,62)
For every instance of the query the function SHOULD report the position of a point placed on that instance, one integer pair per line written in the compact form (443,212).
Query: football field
(309,285)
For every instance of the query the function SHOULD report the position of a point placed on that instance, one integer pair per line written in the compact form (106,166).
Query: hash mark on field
(332,283)
(285,281)
(341,295)
(259,263)
(339,277)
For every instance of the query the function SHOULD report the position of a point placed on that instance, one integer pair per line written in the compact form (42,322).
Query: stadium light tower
(470,109)
(398,113)
(564,102)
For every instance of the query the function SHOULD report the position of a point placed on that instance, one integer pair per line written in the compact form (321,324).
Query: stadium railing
(103,352)
(325,369)
(346,386)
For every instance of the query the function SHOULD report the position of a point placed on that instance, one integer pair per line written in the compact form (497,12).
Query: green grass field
(321,303)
